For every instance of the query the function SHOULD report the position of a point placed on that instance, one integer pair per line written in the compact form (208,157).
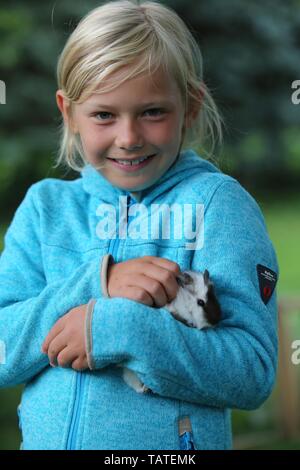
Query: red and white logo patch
(267,282)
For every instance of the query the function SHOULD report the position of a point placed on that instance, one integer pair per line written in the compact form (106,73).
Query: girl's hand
(65,343)
(149,280)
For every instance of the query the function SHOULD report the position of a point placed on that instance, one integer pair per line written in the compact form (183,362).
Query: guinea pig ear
(206,276)
(184,279)
(179,280)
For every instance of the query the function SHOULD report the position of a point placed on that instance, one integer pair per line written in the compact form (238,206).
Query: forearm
(25,324)
(224,367)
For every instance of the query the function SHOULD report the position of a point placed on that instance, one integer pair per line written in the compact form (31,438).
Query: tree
(250,54)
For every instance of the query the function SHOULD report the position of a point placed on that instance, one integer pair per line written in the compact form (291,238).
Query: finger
(66,357)
(137,294)
(147,285)
(155,289)
(55,330)
(165,263)
(166,279)
(55,347)
(80,364)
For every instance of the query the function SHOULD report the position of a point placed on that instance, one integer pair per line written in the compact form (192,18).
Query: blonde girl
(89,264)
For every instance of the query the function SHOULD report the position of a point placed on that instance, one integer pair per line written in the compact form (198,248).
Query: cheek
(167,133)
(91,138)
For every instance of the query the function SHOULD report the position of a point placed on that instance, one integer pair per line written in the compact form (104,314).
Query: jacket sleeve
(232,365)
(29,306)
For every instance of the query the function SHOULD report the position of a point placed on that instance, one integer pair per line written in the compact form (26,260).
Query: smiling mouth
(131,161)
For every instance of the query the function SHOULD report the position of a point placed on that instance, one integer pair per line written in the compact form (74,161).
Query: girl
(86,272)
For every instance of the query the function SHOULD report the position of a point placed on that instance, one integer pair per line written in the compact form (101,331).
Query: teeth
(123,162)
(133,162)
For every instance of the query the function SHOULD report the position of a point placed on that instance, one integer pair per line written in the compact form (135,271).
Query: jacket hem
(106,261)
(88,333)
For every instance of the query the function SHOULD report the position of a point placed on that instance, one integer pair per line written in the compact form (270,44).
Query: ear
(194,107)
(206,276)
(184,279)
(64,106)
(179,280)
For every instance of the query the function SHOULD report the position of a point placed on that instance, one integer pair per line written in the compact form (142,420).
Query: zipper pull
(186,441)
(185,434)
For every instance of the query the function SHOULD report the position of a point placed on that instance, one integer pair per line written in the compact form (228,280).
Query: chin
(136,187)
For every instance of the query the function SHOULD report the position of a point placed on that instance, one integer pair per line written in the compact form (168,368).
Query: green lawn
(2,232)
(283,222)
(280,445)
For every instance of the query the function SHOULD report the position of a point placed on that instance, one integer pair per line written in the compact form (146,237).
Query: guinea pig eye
(200,302)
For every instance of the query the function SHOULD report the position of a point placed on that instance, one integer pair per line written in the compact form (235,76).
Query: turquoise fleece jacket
(54,254)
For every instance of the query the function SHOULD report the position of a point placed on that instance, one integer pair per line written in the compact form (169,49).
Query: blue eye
(105,113)
(155,111)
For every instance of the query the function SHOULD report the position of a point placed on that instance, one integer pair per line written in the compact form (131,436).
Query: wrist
(107,262)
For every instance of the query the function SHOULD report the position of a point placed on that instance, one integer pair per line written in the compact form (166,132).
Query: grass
(283,223)
(2,233)
(10,436)
(279,445)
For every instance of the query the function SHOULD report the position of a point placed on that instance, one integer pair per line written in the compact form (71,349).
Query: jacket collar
(187,164)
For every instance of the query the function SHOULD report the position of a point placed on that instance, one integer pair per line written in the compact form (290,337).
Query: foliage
(250,56)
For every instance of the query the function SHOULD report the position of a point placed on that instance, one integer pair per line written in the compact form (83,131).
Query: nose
(129,136)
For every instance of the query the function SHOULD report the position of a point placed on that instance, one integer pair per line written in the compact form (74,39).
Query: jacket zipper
(115,242)
(80,380)
(81,377)
(114,245)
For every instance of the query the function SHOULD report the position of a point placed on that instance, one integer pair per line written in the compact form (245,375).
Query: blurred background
(251,58)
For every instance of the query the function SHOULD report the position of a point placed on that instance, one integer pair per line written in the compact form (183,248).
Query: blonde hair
(146,35)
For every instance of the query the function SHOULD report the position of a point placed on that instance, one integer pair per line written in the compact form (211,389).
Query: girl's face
(142,117)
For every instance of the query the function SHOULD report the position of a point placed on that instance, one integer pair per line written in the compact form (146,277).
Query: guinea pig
(195,305)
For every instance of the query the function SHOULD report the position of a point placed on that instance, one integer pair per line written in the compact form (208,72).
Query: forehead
(197,279)
(145,88)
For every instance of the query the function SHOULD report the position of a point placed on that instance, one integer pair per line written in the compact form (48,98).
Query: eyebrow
(142,105)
